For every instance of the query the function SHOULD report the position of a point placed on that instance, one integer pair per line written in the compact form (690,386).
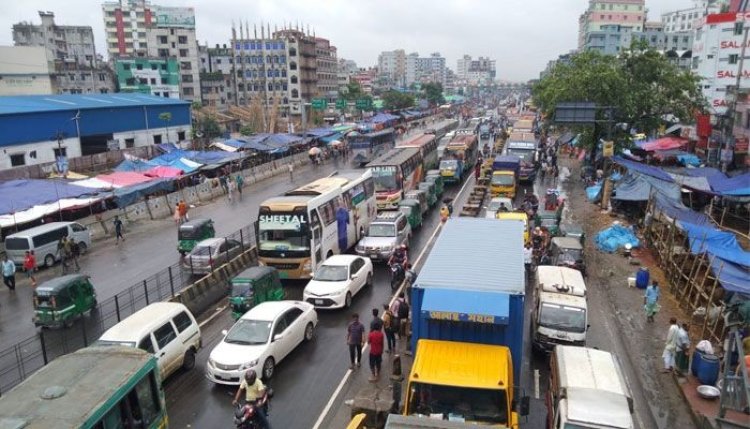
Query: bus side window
(369,187)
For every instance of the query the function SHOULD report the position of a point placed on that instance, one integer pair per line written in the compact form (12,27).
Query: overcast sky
(522,35)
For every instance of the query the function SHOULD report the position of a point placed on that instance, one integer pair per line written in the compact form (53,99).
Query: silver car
(388,230)
(210,254)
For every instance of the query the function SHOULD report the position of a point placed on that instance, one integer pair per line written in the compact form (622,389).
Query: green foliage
(247,130)
(641,86)
(165,116)
(209,127)
(393,100)
(433,93)
(353,92)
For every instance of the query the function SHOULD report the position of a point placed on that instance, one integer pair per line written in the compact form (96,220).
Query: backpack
(403,310)
(387,319)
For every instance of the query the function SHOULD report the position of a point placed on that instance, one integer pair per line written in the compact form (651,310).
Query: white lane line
(348,374)
(536,383)
(218,311)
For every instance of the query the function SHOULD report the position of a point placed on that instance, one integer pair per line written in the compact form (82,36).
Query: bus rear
(396,172)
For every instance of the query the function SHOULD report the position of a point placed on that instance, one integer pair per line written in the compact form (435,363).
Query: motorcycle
(449,203)
(397,275)
(245,416)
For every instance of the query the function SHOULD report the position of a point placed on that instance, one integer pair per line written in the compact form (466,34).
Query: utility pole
(731,111)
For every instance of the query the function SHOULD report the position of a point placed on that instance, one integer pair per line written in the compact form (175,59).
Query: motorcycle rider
(255,392)
(399,256)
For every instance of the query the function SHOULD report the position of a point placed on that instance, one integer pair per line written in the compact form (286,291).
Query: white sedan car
(337,280)
(260,339)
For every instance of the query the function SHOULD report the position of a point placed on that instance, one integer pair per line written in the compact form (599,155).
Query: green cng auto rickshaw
(191,232)
(429,188)
(411,209)
(253,286)
(420,196)
(568,229)
(438,181)
(548,219)
(57,302)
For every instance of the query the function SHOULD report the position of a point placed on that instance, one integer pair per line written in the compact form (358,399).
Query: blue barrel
(708,371)
(695,364)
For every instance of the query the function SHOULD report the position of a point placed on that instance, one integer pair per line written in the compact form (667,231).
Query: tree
(433,93)
(166,117)
(352,92)
(208,127)
(394,100)
(247,130)
(641,86)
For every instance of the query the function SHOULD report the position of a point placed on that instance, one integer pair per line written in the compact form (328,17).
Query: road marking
(348,374)
(218,311)
(536,383)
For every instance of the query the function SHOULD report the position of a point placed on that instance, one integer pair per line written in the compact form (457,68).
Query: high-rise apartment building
(628,14)
(62,42)
(425,69)
(327,69)
(178,41)
(472,72)
(125,23)
(392,65)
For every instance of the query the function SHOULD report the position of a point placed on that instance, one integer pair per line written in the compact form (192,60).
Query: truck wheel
(188,361)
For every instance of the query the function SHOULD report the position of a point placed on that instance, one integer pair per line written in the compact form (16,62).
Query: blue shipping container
(472,285)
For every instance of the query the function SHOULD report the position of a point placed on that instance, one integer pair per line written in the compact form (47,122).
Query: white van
(43,241)
(560,311)
(587,389)
(165,329)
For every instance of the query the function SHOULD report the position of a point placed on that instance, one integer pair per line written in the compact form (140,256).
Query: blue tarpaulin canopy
(319,132)
(677,210)
(643,168)
(128,195)
(638,187)
(735,186)
(236,143)
(733,277)
(716,242)
(382,118)
(466,306)
(23,194)
(332,137)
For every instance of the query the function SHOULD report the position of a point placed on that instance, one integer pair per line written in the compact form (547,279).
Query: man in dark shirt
(376,320)
(355,339)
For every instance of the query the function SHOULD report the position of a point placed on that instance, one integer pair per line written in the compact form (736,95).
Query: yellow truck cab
(516,217)
(467,382)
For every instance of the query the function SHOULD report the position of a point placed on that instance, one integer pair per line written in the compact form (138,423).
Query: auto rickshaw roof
(567,243)
(254,273)
(409,202)
(59,283)
(195,223)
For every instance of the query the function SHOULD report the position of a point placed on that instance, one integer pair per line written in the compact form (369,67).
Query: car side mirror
(224,332)
(278,336)
(588,326)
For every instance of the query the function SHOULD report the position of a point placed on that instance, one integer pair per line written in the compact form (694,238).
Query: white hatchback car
(337,280)
(260,339)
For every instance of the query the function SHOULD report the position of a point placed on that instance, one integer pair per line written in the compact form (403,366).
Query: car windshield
(382,230)
(475,405)
(495,205)
(502,179)
(524,154)
(569,255)
(448,164)
(241,289)
(563,318)
(330,273)
(190,232)
(249,332)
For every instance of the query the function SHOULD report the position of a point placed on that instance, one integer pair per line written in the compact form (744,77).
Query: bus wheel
(329,254)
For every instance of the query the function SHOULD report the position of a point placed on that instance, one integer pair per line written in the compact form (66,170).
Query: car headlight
(248,365)
(307,266)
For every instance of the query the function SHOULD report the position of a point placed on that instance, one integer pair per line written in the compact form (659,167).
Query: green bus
(92,388)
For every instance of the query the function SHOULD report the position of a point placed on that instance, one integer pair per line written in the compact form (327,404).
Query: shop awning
(466,306)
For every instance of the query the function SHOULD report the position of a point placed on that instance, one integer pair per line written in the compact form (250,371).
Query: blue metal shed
(472,286)
(35,118)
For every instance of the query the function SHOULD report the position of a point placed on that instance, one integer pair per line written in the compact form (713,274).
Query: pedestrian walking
(403,315)
(375,338)
(183,208)
(355,339)
(670,345)
(118,230)
(230,190)
(9,273)
(376,320)
(176,216)
(62,253)
(683,349)
(29,266)
(651,301)
(388,328)
(223,183)
(75,253)
(290,168)
(239,181)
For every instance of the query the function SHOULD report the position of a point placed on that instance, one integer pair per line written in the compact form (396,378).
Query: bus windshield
(563,318)
(283,232)
(448,164)
(502,179)
(385,178)
(525,154)
(474,405)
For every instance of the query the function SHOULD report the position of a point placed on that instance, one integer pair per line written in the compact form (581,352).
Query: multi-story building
(24,70)
(425,69)
(217,76)
(155,76)
(326,69)
(625,13)
(392,65)
(685,19)
(174,41)
(279,69)
(72,78)
(62,42)
(346,69)
(125,23)
(475,72)
(716,57)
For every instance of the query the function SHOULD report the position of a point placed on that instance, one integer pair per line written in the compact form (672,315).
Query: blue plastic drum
(708,371)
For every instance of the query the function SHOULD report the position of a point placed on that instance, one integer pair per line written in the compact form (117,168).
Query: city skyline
(507,31)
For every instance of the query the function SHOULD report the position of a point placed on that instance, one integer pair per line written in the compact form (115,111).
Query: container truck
(468,324)
(505,170)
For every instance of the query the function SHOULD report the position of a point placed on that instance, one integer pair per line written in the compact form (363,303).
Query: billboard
(183,17)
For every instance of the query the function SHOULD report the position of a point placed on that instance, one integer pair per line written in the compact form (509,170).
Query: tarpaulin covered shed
(23,194)
(643,168)
(664,143)
(126,196)
(733,186)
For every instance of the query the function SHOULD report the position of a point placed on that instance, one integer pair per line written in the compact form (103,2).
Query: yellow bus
(299,230)
(92,388)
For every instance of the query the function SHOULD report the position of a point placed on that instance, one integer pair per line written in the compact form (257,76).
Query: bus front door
(317,248)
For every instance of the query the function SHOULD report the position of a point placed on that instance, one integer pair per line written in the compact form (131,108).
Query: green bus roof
(73,389)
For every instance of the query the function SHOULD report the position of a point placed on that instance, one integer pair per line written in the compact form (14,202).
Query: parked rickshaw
(568,229)
(413,212)
(253,286)
(420,196)
(192,232)
(438,181)
(568,252)
(549,220)
(57,302)
(429,189)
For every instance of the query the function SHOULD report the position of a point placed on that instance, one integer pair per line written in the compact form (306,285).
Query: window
(163,40)
(738,28)
(164,66)
(293,79)
(146,344)
(126,66)
(139,66)
(295,93)
(154,67)
(157,137)
(187,78)
(17,159)
(293,52)
(163,81)
(185,65)
(183,53)
(164,335)
(292,315)
(129,143)
(163,53)
(182,40)
(279,327)
(180,137)
(182,321)
(292,66)
(143,81)
(733,58)
(153,81)
(60,151)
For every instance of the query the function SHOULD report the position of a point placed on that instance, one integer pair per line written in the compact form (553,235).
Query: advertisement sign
(174,17)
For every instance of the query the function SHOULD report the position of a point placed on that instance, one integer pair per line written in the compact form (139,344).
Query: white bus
(300,229)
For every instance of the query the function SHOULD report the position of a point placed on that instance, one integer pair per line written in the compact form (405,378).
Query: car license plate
(318,302)
(374,255)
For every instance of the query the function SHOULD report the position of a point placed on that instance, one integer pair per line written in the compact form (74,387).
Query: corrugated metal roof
(476,254)
(48,103)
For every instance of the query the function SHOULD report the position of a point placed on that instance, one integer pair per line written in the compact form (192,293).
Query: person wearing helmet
(399,256)
(255,391)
